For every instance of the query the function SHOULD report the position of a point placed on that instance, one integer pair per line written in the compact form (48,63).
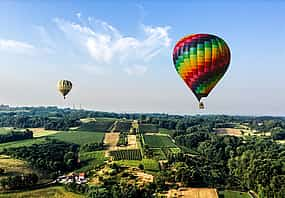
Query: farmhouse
(72,177)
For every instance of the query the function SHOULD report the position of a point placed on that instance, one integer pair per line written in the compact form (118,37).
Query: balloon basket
(201,105)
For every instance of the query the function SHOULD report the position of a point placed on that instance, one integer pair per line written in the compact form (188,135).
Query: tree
(141,166)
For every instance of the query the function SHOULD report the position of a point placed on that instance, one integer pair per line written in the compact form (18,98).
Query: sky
(118,54)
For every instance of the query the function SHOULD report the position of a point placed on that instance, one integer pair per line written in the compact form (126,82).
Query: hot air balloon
(201,60)
(64,87)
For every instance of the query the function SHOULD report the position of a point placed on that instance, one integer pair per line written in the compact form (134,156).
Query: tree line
(14,135)
(51,158)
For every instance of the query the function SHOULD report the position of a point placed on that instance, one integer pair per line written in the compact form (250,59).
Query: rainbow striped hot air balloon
(201,60)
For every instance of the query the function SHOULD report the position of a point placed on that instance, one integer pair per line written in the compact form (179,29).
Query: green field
(158,154)
(233,194)
(50,192)
(166,131)
(105,119)
(175,150)
(102,125)
(149,164)
(158,141)
(123,126)
(148,128)
(79,137)
(21,143)
(91,160)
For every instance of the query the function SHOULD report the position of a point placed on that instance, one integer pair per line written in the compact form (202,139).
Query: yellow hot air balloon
(64,87)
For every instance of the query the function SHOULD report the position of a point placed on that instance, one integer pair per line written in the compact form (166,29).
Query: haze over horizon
(119,57)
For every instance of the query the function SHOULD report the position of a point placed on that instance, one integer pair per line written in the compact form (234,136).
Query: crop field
(175,150)
(148,128)
(123,126)
(86,120)
(98,125)
(79,137)
(111,140)
(4,130)
(130,154)
(99,119)
(91,160)
(193,192)
(158,154)
(20,143)
(233,194)
(149,164)
(13,166)
(123,139)
(41,132)
(158,141)
(239,132)
(281,141)
(228,131)
(50,192)
(166,131)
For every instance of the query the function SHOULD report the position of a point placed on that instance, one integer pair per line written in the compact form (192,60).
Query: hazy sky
(118,55)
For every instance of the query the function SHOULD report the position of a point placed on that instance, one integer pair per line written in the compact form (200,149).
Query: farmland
(166,131)
(123,139)
(148,128)
(41,132)
(193,192)
(21,143)
(158,141)
(130,154)
(233,194)
(57,191)
(4,130)
(79,137)
(123,126)
(149,164)
(91,160)
(228,131)
(98,126)
(158,154)
(197,152)
(111,140)
(13,166)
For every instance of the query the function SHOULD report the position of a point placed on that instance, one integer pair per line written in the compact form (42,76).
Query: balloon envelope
(64,87)
(201,60)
